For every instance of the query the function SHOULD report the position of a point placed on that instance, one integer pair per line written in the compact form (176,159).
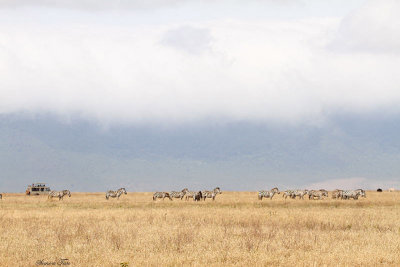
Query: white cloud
(117,69)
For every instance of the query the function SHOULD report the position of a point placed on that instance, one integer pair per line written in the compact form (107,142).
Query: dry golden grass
(236,229)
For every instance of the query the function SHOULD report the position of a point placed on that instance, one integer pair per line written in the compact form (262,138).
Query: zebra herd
(185,193)
(313,194)
(203,195)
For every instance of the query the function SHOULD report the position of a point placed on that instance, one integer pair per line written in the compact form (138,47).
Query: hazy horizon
(239,156)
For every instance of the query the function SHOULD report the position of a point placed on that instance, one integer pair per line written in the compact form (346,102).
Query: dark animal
(198,196)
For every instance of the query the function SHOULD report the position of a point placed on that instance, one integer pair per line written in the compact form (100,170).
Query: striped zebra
(324,192)
(211,194)
(299,193)
(268,194)
(353,194)
(181,194)
(190,194)
(59,194)
(337,193)
(317,194)
(288,193)
(362,192)
(310,194)
(161,195)
(348,194)
(115,194)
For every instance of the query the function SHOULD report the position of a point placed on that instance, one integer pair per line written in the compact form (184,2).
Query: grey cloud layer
(189,39)
(114,68)
(372,28)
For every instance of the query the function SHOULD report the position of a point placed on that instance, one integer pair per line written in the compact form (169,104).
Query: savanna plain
(234,230)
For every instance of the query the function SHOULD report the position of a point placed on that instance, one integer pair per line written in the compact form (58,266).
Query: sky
(170,66)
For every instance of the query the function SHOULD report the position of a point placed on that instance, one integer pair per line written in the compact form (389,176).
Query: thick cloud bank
(135,67)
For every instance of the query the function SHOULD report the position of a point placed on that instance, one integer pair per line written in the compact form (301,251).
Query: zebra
(314,194)
(115,194)
(211,194)
(287,193)
(181,194)
(268,194)
(190,194)
(59,194)
(362,192)
(324,192)
(299,193)
(197,196)
(311,194)
(161,195)
(354,194)
(337,193)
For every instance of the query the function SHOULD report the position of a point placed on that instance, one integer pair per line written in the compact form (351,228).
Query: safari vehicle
(37,189)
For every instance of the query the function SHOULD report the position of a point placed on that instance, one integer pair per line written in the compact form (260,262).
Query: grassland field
(234,230)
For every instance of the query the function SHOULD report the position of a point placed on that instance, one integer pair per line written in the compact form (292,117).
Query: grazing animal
(162,195)
(115,194)
(181,194)
(268,194)
(197,196)
(310,194)
(287,193)
(211,194)
(1,196)
(354,194)
(190,194)
(59,194)
(392,190)
(324,192)
(299,193)
(337,193)
(362,192)
(314,194)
